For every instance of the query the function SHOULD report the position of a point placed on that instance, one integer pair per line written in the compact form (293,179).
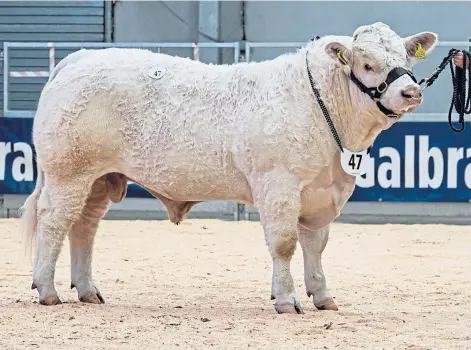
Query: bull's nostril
(411,94)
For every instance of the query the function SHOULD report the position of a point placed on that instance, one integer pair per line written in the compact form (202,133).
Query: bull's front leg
(278,200)
(313,242)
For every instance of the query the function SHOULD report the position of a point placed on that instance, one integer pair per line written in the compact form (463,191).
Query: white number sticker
(355,163)
(157,72)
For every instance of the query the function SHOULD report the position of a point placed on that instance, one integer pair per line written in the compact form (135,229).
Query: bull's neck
(356,119)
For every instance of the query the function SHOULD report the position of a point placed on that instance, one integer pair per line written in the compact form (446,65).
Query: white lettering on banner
(388,174)
(454,156)
(410,162)
(393,167)
(467,170)
(424,157)
(5,149)
(27,161)
(22,167)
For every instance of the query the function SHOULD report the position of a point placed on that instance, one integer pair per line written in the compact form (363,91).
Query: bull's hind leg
(278,199)
(59,205)
(81,238)
(313,243)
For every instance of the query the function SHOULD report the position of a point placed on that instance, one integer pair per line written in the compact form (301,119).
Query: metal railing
(249,45)
(51,46)
(196,47)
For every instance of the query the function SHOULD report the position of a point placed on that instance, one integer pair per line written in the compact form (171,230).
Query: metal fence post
(52,57)
(240,213)
(240,208)
(108,21)
(196,51)
(5,78)
(236,52)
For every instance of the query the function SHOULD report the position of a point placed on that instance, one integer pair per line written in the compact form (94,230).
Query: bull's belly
(182,184)
(184,167)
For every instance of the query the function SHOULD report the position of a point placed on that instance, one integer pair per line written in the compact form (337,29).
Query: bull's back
(105,110)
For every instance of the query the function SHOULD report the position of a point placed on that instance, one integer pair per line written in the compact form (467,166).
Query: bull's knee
(285,245)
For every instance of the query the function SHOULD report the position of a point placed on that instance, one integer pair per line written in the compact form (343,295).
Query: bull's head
(379,63)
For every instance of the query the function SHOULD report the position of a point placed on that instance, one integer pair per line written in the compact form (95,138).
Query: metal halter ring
(382,90)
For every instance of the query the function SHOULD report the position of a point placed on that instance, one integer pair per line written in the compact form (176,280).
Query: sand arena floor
(206,284)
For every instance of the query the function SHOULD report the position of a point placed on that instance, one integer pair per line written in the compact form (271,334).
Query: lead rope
(461,99)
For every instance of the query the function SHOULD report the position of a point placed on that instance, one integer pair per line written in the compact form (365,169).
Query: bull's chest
(323,199)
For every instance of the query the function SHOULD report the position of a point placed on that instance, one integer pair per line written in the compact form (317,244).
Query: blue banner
(418,162)
(412,162)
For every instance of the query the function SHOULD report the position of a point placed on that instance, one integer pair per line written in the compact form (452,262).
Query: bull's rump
(105,113)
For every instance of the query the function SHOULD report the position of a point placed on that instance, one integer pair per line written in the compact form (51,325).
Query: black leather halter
(376,92)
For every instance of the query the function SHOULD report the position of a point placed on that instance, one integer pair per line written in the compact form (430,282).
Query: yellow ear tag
(420,53)
(339,55)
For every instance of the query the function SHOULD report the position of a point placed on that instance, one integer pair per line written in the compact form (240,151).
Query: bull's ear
(339,53)
(419,45)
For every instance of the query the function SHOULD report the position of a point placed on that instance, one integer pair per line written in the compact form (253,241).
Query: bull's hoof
(92,298)
(328,304)
(51,300)
(288,308)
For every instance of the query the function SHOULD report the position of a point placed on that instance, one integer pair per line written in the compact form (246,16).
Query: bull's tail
(29,213)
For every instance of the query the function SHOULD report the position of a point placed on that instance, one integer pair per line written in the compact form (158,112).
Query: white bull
(249,132)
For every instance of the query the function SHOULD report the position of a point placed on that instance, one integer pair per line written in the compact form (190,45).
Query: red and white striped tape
(196,51)
(29,74)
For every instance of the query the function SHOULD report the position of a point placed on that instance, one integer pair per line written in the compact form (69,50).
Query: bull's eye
(368,67)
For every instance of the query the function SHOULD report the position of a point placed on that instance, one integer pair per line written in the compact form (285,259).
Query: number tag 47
(355,163)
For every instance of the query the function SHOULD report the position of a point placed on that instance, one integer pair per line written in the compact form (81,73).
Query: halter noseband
(376,92)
